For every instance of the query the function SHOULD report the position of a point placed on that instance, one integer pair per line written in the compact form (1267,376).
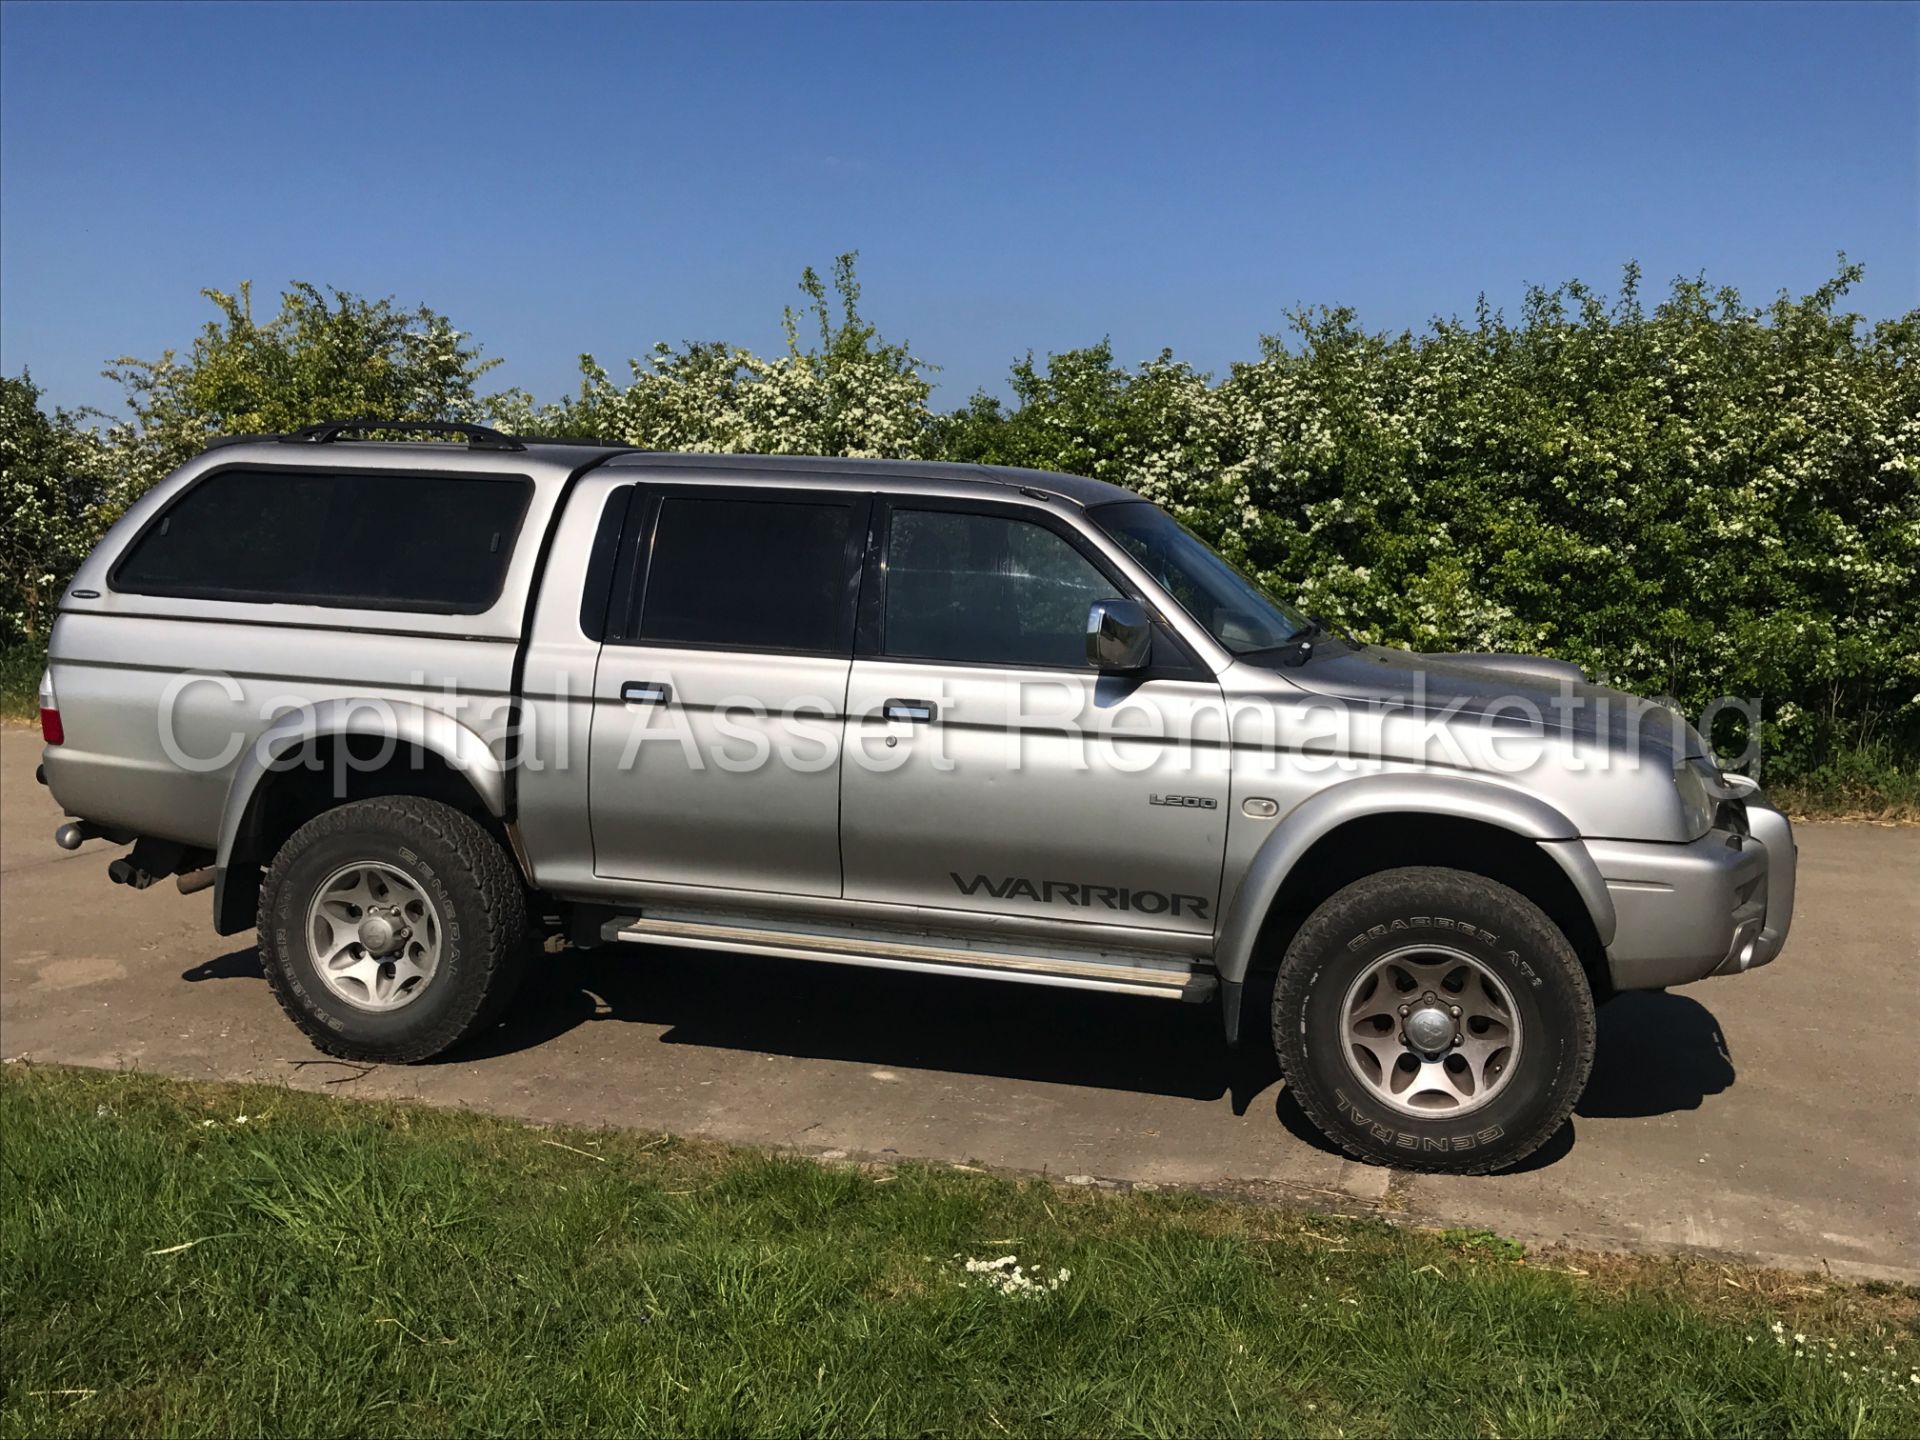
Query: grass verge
(1857,785)
(20,670)
(200,1259)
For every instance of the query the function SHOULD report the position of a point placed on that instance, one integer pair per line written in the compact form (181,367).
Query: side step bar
(1166,980)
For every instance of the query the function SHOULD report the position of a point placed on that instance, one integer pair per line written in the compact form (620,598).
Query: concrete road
(1776,1116)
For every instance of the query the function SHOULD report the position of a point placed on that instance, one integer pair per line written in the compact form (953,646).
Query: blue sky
(560,178)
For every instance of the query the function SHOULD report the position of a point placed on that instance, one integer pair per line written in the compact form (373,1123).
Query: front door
(716,735)
(989,769)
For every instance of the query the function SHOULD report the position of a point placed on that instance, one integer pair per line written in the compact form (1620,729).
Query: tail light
(51,730)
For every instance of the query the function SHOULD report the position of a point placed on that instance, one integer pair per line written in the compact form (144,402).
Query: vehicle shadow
(234,965)
(1658,1052)
(809,1010)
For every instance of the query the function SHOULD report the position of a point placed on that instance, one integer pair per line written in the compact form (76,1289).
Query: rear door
(989,768)
(719,696)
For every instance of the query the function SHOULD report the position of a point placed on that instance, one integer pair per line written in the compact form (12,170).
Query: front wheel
(1433,1019)
(392,928)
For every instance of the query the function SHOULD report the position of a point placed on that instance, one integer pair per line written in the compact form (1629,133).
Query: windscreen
(1229,606)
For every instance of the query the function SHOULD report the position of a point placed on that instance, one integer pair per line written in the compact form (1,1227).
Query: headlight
(1696,800)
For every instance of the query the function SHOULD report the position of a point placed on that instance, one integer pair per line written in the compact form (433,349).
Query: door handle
(918,712)
(647,692)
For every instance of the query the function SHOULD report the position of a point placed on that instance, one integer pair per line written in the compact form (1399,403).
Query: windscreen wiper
(1331,627)
(1296,649)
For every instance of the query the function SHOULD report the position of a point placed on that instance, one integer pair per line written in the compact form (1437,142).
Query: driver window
(986,590)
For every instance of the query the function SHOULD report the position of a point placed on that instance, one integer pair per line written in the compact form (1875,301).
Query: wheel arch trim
(398,722)
(1439,796)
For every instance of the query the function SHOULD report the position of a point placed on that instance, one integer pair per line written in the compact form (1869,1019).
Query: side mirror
(1119,636)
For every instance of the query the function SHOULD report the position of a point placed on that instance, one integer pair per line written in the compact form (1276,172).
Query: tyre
(1433,1019)
(392,928)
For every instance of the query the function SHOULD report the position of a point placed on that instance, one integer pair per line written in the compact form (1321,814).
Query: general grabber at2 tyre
(1433,1019)
(392,928)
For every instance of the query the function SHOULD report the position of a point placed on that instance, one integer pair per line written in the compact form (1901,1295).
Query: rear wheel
(1433,1019)
(390,929)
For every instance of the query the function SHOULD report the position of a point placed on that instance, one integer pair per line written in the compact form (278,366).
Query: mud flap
(1230,1010)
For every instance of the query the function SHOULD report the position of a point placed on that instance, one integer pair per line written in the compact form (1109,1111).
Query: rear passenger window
(350,538)
(750,575)
(987,589)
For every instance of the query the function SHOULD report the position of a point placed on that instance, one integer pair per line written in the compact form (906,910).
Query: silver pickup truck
(399,702)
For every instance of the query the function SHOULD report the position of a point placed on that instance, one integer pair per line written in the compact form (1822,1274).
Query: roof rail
(478,437)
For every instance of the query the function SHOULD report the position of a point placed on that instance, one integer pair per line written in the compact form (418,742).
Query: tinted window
(425,542)
(750,574)
(987,589)
(596,591)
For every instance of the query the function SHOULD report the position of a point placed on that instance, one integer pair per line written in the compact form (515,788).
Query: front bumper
(1721,905)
